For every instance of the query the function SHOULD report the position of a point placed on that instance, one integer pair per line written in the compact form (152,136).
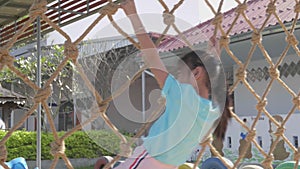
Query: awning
(14,13)
(7,96)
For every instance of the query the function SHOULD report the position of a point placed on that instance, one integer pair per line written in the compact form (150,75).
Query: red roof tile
(256,12)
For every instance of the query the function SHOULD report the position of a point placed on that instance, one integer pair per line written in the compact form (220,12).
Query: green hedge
(79,145)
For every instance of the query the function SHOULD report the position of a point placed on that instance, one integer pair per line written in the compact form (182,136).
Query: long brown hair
(216,84)
(220,130)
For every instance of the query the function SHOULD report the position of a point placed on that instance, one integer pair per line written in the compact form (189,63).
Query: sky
(189,14)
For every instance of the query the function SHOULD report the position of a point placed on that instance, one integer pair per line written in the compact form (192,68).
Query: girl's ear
(198,72)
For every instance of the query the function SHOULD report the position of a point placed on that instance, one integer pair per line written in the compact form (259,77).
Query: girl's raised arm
(148,48)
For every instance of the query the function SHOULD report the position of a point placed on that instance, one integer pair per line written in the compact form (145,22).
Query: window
(66,116)
(295,138)
(259,140)
(229,142)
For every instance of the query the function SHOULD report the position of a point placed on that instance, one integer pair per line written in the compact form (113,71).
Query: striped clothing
(140,159)
(171,139)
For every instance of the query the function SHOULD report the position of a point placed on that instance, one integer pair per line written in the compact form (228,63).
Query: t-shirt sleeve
(169,83)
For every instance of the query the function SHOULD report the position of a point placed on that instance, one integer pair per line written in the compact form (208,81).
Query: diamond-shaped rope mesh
(223,36)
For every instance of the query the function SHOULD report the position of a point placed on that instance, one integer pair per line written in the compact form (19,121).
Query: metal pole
(0,34)
(74,98)
(38,79)
(88,7)
(59,13)
(12,116)
(74,111)
(143,96)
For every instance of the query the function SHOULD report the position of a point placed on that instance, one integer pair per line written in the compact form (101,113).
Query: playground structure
(37,12)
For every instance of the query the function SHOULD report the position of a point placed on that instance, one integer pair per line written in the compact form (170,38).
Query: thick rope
(251,135)
(169,19)
(71,52)
(296,101)
(109,9)
(42,94)
(115,25)
(271,9)
(241,74)
(55,27)
(274,73)
(38,8)
(216,153)
(207,141)
(241,8)
(297,7)
(58,148)
(5,58)
(218,19)
(125,149)
(261,105)
(256,38)
(224,41)
(297,155)
(86,32)
(4,165)
(19,33)
(3,152)
(267,163)
(291,39)
(279,132)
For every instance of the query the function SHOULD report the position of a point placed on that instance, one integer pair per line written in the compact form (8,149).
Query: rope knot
(102,107)
(207,141)
(296,101)
(5,58)
(109,9)
(261,105)
(267,163)
(57,147)
(241,8)
(169,18)
(274,73)
(279,132)
(256,38)
(71,51)
(218,19)
(38,8)
(224,41)
(125,149)
(241,74)
(291,39)
(271,8)
(3,152)
(42,94)
(297,8)
(251,135)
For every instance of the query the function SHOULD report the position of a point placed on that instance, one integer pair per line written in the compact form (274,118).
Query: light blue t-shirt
(186,120)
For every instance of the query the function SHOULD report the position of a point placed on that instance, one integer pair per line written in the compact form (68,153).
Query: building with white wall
(279,99)
(274,41)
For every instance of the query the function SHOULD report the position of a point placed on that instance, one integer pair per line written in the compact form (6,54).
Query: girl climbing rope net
(193,103)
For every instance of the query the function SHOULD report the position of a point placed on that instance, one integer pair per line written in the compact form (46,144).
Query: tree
(51,58)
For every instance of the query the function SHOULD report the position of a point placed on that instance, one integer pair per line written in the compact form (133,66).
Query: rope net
(102,96)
